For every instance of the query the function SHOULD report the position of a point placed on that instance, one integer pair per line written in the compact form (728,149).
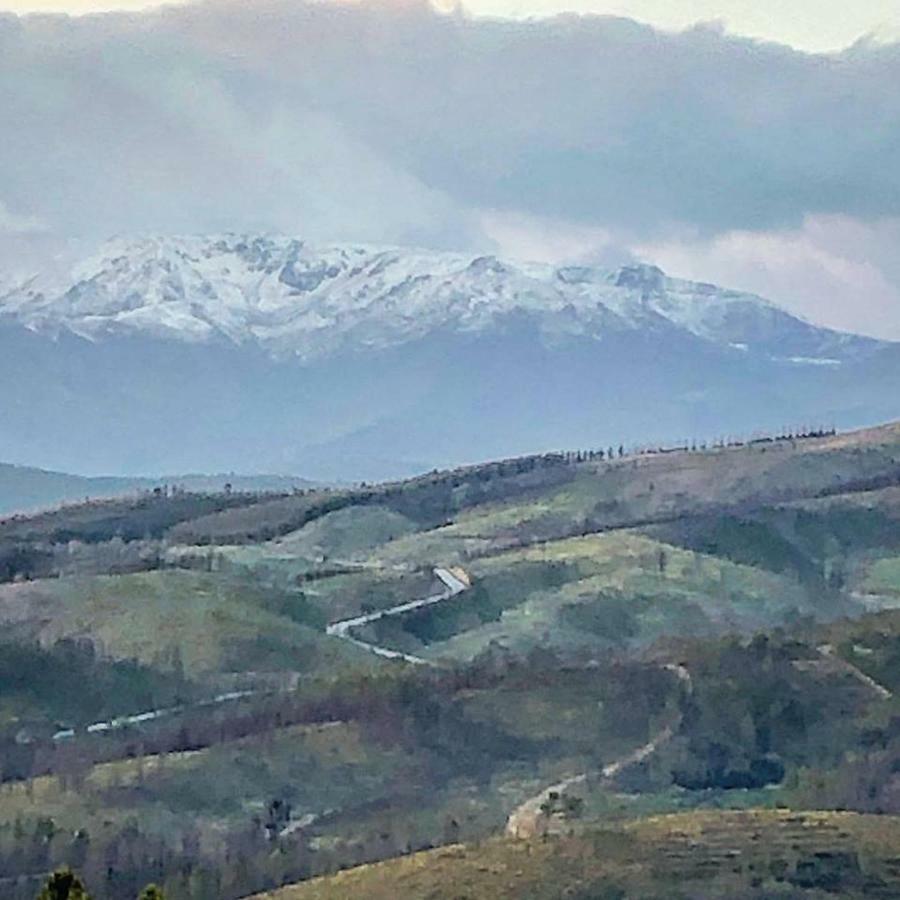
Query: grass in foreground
(759,854)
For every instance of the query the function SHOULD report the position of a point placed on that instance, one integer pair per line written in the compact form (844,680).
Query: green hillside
(199,623)
(228,692)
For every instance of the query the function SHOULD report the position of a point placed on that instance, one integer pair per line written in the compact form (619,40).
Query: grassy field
(883,577)
(349,533)
(613,590)
(315,768)
(343,536)
(704,574)
(202,624)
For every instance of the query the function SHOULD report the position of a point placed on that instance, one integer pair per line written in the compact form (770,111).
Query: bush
(152,892)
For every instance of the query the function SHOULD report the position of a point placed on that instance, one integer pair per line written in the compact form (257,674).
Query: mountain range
(259,353)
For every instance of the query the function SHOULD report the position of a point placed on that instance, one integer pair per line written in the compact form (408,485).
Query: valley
(449,450)
(228,693)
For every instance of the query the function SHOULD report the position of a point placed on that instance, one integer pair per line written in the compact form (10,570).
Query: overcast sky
(753,164)
(813,25)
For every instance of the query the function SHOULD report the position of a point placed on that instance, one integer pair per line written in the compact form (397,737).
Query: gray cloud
(121,123)
(395,123)
(594,118)
(833,270)
(12,223)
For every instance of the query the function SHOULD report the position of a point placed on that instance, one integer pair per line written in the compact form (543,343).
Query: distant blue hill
(26,489)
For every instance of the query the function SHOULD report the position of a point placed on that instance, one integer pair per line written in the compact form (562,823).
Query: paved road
(454,584)
(827,651)
(153,715)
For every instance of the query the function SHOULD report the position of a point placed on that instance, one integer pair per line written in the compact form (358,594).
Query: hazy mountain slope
(264,354)
(24,489)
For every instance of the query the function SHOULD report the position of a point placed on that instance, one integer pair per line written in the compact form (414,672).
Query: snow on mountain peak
(289,297)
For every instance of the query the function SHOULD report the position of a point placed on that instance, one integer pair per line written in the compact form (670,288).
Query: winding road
(530,818)
(455,581)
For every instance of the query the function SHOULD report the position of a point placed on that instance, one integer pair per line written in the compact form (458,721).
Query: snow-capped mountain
(309,302)
(268,354)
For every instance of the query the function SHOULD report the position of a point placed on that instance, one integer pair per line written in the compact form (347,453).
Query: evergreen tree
(64,885)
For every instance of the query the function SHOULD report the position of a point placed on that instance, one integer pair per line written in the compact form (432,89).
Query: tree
(152,892)
(565,806)
(64,885)
(278,815)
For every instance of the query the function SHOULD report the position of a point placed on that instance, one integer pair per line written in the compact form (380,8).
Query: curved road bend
(455,582)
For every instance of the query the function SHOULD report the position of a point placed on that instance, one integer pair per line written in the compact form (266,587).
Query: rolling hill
(235,692)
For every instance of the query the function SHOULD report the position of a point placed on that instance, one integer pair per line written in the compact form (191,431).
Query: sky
(708,151)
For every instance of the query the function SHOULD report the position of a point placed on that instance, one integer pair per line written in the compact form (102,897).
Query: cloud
(391,122)
(12,224)
(833,269)
(534,239)
(608,122)
(118,124)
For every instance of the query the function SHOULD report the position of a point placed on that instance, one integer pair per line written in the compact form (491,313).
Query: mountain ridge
(265,354)
(292,298)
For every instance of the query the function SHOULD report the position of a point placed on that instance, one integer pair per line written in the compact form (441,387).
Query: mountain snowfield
(292,298)
(268,354)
